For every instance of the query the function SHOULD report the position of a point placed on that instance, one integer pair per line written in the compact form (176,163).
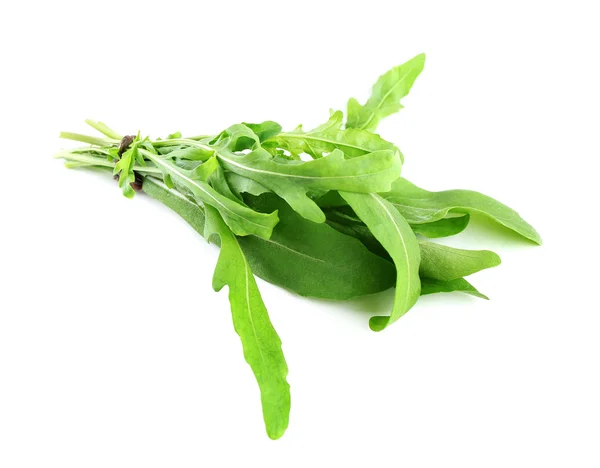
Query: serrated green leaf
(293,180)
(421,206)
(398,239)
(124,169)
(187,153)
(241,219)
(241,184)
(261,344)
(386,94)
(264,130)
(328,137)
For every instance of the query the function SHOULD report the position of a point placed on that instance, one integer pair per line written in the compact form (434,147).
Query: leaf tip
(378,323)
(276,432)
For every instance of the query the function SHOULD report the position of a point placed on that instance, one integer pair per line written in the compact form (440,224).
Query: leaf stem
(104,129)
(86,159)
(181,141)
(88,139)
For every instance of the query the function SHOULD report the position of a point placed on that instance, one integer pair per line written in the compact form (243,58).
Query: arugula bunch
(322,212)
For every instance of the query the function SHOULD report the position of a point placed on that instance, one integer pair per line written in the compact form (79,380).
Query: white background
(115,351)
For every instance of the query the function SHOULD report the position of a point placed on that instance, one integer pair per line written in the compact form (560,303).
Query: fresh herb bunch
(339,225)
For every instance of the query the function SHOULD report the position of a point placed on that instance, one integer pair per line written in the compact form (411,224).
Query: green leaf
(327,264)
(386,94)
(261,344)
(442,227)
(241,184)
(421,206)
(292,180)
(314,259)
(329,137)
(124,168)
(264,130)
(189,210)
(187,153)
(219,182)
(447,263)
(241,219)
(432,286)
(396,236)
(362,233)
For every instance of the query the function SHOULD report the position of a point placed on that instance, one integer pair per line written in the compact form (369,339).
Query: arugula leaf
(396,236)
(187,153)
(241,184)
(241,219)
(124,169)
(292,180)
(264,130)
(386,94)
(447,263)
(327,264)
(421,206)
(442,227)
(328,137)
(219,182)
(261,344)
(432,286)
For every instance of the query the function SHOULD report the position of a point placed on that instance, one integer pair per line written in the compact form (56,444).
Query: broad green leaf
(421,206)
(396,236)
(329,137)
(331,199)
(447,263)
(189,210)
(314,259)
(442,227)
(343,215)
(261,344)
(327,264)
(386,94)
(293,180)
(432,286)
(437,261)
(363,234)
(241,219)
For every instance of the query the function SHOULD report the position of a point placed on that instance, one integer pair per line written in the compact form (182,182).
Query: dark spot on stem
(137,184)
(125,142)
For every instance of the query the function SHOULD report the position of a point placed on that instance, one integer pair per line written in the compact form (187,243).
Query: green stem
(85,159)
(88,139)
(104,129)
(181,141)
(199,137)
